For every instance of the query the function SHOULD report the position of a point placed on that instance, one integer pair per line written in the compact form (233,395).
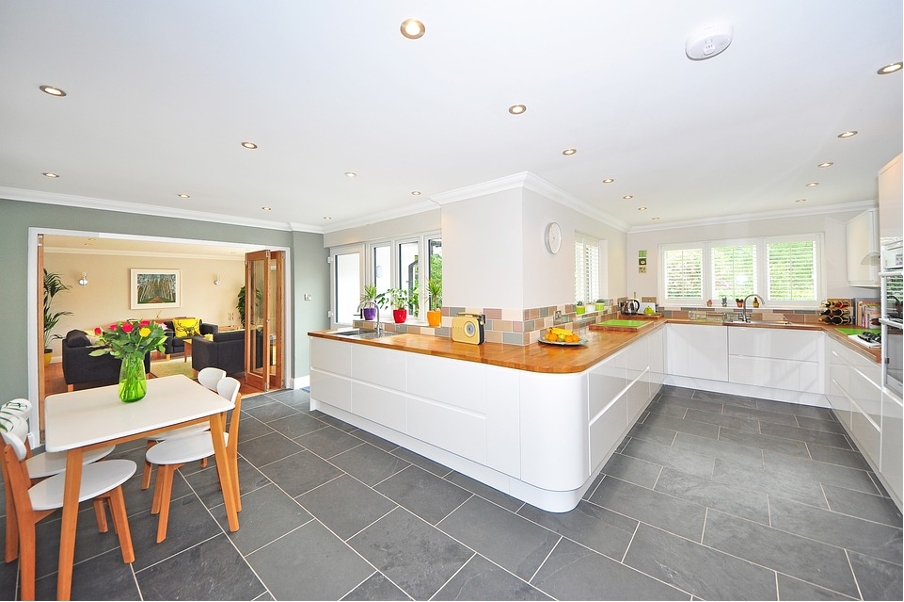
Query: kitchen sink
(772,323)
(360,333)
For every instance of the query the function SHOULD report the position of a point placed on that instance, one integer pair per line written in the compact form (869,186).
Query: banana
(558,331)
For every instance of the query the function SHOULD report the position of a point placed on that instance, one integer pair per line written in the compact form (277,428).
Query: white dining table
(78,421)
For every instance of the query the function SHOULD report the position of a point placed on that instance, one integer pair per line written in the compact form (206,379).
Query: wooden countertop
(553,359)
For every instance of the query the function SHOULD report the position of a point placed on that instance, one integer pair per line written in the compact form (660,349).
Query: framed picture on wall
(155,289)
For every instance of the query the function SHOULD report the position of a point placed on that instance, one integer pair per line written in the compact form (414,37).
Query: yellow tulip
(144,331)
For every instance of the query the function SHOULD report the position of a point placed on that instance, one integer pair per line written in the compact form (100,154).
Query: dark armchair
(80,367)
(174,344)
(226,351)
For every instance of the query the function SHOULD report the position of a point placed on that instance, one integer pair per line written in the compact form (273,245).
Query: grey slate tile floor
(710,496)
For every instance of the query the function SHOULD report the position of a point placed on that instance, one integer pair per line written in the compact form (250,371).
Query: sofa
(80,367)
(174,344)
(226,351)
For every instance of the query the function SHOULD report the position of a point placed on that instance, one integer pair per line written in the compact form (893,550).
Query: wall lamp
(84,280)
(216,281)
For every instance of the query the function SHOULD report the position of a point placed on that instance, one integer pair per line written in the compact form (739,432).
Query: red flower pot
(399,315)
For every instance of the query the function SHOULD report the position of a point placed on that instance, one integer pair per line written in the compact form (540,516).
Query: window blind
(683,269)
(734,271)
(792,270)
(586,269)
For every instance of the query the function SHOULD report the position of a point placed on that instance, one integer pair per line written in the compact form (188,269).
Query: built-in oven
(891,320)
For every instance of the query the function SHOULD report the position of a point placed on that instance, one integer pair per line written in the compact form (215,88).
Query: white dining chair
(209,377)
(31,503)
(171,454)
(40,466)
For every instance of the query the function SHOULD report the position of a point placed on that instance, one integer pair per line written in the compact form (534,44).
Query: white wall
(427,221)
(831,225)
(107,299)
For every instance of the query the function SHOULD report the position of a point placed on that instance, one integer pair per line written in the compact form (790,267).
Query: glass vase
(133,381)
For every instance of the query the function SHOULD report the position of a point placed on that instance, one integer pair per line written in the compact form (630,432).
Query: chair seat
(47,464)
(183,450)
(97,479)
(185,431)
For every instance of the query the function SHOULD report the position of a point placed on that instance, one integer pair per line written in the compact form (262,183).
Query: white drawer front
(331,389)
(379,366)
(457,383)
(331,356)
(383,407)
(459,431)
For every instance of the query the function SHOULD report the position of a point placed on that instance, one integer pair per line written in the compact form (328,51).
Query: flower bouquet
(130,341)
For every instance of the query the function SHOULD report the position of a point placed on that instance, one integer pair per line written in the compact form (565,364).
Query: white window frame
(343,250)
(761,271)
(591,292)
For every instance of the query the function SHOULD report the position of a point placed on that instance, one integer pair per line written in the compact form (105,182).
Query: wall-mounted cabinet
(891,216)
(863,249)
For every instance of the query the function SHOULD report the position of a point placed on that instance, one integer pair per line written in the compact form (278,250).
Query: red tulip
(98,330)
(113,326)
(127,327)
(144,323)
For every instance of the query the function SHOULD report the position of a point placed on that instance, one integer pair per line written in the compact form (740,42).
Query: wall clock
(553,237)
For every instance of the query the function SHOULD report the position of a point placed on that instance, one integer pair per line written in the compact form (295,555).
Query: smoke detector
(707,42)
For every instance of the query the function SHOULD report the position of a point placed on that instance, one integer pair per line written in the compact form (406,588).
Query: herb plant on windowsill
(579,307)
(397,299)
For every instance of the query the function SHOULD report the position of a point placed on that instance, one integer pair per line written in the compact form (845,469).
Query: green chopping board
(623,325)
(850,331)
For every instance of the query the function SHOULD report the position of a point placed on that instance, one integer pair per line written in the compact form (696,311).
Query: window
(346,283)
(408,273)
(785,271)
(382,267)
(586,268)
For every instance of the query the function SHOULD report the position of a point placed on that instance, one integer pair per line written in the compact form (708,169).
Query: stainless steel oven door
(892,355)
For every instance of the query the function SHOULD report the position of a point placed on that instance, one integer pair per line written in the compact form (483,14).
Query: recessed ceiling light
(267,208)
(416,192)
(50,174)
(812,184)
(826,164)
(249,145)
(641,208)
(628,197)
(184,196)
(894,67)
(569,151)
(655,219)
(517,109)
(412,29)
(847,134)
(327,217)
(608,180)
(801,201)
(53,91)
(351,174)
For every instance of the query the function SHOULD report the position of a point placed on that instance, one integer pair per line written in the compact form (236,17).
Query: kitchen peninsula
(537,422)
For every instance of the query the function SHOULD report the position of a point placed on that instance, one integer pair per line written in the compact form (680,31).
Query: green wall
(309,270)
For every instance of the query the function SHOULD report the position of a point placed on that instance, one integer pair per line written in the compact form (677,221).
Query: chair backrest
(228,388)
(210,376)
(14,429)
(16,407)
(15,473)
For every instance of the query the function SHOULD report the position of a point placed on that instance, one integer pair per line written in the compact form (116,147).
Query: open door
(264,328)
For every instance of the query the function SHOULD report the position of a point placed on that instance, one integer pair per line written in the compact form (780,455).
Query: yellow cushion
(209,337)
(187,327)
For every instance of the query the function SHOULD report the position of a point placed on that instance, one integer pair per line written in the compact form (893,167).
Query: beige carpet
(171,367)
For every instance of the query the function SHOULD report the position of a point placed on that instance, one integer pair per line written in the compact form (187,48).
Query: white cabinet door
(892,443)
(776,344)
(331,389)
(856,395)
(697,351)
(657,360)
(775,373)
(863,249)
(781,359)
(331,356)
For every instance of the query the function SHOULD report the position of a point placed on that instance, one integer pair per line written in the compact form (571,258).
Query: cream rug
(171,367)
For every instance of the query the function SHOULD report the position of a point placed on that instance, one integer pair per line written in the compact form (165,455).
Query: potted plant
(600,305)
(369,302)
(241,303)
(53,285)
(434,316)
(397,299)
(579,307)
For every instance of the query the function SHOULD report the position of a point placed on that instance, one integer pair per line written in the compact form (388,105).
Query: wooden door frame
(276,379)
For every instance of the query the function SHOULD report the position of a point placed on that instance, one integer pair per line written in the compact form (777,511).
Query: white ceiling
(161,94)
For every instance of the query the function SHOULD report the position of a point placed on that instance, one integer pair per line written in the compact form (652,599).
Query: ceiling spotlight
(826,164)
(847,134)
(327,217)
(641,208)
(894,67)
(569,151)
(801,201)
(249,145)
(53,91)
(351,174)
(416,192)
(628,197)
(812,184)
(184,196)
(267,208)
(655,219)
(412,29)
(517,109)
(608,180)
(50,174)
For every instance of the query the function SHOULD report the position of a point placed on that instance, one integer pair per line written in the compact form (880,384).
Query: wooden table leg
(69,522)
(227,483)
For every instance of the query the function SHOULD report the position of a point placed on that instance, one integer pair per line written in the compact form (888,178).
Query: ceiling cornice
(131,253)
(532,182)
(412,209)
(747,217)
(53,198)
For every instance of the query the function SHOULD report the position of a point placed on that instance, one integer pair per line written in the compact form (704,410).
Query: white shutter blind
(683,269)
(734,271)
(586,269)
(578,268)
(792,270)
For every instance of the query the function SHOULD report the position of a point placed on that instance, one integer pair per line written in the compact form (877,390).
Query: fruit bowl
(562,343)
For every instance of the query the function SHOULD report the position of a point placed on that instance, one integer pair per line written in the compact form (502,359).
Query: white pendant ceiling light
(708,41)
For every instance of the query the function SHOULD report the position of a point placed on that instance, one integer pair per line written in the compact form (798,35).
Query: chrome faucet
(744,317)
(379,324)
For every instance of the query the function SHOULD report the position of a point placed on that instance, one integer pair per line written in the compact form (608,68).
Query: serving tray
(562,343)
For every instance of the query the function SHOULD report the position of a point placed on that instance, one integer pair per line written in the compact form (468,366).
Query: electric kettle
(630,307)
